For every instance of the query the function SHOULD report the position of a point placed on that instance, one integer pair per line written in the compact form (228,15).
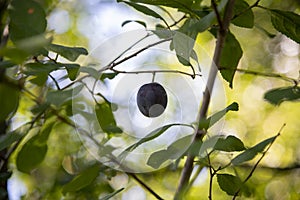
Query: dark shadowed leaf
(70,53)
(108,75)
(250,153)
(83,179)
(9,100)
(144,10)
(243,16)
(288,23)
(6,64)
(106,118)
(230,57)
(230,143)
(174,151)
(112,194)
(27,19)
(279,95)
(9,138)
(34,150)
(229,183)
(72,70)
(38,69)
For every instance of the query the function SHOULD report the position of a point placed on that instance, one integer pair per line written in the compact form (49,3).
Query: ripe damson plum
(152,99)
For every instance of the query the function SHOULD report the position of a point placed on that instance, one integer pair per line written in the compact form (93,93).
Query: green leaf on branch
(9,100)
(229,183)
(209,122)
(243,16)
(34,150)
(58,97)
(108,75)
(279,95)
(72,70)
(174,151)
(106,118)
(27,19)
(206,22)
(107,197)
(229,144)
(82,180)
(144,10)
(250,153)
(12,137)
(286,22)
(151,136)
(37,69)
(183,42)
(230,57)
(70,53)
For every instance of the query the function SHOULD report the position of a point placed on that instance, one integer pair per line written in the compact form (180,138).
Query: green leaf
(31,155)
(72,70)
(229,183)
(6,64)
(16,55)
(9,138)
(183,42)
(70,53)
(5,176)
(288,23)
(135,21)
(27,19)
(250,153)
(58,97)
(152,135)
(90,71)
(230,57)
(34,150)
(209,122)
(144,10)
(243,16)
(9,100)
(83,179)
(183,5)
(106,118)
(206,22)
(112,194)
(174,151)
(108,75)
(279,95)
(229,144)
(38,69)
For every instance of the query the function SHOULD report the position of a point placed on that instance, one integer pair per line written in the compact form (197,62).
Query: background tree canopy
(70,124)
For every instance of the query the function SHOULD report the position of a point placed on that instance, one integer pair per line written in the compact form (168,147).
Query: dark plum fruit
(152,99)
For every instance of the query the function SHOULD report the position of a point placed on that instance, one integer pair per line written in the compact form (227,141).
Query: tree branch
(188,167)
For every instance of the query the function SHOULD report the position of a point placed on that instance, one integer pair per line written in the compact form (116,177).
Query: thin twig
(257,73)
(211,172)
(243,11)
(145,186)
(55,82)
(214,5)
(138,52)
(256,164)
(178,21)
(156,71)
